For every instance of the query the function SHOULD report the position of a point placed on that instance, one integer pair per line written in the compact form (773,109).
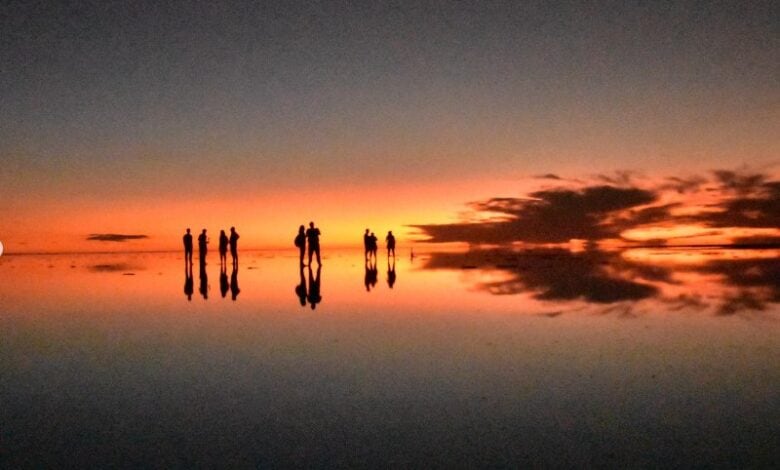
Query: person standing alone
(313,238)
(187,238)
(234,245)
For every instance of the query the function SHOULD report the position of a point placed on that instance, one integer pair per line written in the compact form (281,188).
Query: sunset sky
(149,117)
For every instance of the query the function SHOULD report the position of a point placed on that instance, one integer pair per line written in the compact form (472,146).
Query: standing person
(234,245)
(187,238)
(372,245)
(300,242)
(313,238)
(203,240)
(367,244)
(390,239)
(223,246)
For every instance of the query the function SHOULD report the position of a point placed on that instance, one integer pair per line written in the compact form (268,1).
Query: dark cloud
(614,283)
(114,237)
(552,274)
(110,268)
(548,176)
(755,205)
(549,216)
(601,211)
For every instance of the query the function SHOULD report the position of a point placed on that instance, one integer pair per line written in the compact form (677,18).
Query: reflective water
(487,357)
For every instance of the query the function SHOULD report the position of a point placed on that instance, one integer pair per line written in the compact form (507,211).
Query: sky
(143,118)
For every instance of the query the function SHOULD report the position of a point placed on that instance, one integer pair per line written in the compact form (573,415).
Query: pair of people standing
(310,237)
(224,242)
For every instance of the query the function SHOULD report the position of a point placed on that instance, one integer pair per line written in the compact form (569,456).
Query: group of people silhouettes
(225,242)
(307,240)
(370,244)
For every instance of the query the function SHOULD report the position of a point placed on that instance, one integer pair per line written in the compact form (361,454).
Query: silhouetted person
(234,245)
(234,290)
(314,296)
(300,289)
(203,240)
(367,243)
(300,242)
(223,280)
(189,283)
(187,238)
(390,239)
(372,246)
(204,280)
(313,239)
(391,272)
(223,246)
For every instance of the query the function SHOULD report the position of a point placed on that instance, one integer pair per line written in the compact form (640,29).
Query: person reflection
(391,272)
(300,289)
(370,278)
(234,290)
(314,296)
(223,280)
(189,283)
(204,280)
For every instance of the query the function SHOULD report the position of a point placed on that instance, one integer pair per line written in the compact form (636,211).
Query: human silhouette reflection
(234,290)
(391,272)
(223,280)
(300,242)
(187,239)
(300,289)
(223,246)
(371,274)
(189,283)
(204,280)
(314,296)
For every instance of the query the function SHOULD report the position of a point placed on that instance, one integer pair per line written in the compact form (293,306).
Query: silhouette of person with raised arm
(234,245)
(187,239)
(223,280)
(390,239)
(203,240)
(314,296)
(367,244)
(391,272)
(300,289)
(234,290)
(223,246)
(189,283)
(313,239)
(204,280)
(300,242)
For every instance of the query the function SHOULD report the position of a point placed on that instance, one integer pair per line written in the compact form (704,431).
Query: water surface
(487,357)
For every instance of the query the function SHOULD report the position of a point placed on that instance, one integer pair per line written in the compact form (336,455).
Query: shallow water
(499,358)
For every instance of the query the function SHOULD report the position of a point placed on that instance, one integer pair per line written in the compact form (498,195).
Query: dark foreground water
(488,358)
